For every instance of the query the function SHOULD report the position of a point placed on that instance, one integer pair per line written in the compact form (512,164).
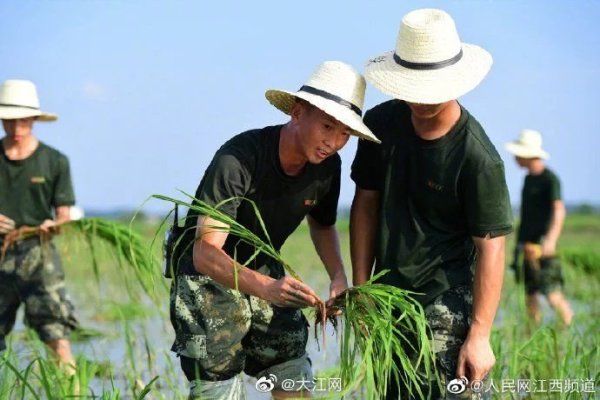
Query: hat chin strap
(430,65)
(332,97)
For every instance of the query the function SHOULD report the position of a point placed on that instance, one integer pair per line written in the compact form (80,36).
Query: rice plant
(385,334)
(386,329)
(127,245)
(45,379)
(586,260)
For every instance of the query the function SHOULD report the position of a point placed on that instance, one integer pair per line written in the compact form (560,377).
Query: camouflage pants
(220,332)
(31,273)
(449,317)
(543,275)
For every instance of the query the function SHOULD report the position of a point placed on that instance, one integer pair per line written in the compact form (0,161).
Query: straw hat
(335,88)
(430,65)
(19,99)
(529,145)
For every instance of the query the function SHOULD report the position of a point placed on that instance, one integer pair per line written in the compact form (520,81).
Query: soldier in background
(35,191)
(542,217)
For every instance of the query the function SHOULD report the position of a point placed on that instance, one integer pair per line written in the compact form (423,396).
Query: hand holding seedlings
(48,226)
(290,292)
(337,286)
(6,224)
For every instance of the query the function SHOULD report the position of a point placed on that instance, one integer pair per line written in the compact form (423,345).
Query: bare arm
(63,214)
(210,259)
(551,238)
(364,217)
(327,243)
(476,357)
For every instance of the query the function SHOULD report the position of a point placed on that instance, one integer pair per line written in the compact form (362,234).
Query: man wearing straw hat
(431,202)
(542,216)
(35,191)
(291,172)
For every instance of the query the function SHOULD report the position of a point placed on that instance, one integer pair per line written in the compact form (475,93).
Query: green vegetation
(375,317)
(129,333)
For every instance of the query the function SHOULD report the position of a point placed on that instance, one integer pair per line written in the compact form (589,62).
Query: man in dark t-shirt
(234,311)
(35,191)
(542,216)
(431,203)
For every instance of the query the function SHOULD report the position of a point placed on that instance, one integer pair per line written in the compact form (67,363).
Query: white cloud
(94,91)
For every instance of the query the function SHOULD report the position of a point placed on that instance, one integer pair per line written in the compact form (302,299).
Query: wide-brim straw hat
(429,65)
(19,99)
(336,89)
(529,145)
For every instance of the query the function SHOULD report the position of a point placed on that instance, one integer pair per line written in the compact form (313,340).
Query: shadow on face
(18,129)
(427,111)
(523,162)
(320,135)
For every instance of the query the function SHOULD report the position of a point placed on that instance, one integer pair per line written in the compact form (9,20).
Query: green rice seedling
(127,245)
(385,333)
(385,336)
(586,260)
(117,311)
(82,334)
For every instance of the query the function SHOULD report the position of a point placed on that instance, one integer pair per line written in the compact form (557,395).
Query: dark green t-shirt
(31,188)
(435,195)
(248,165)
(539,192)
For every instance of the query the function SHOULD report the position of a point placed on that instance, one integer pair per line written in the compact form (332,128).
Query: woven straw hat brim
(523,151)
(18,113)
(429,86)
(285,100)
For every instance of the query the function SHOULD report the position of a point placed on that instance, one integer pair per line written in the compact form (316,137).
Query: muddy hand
(290,292)
(337,286)
(6,224)
(48,226)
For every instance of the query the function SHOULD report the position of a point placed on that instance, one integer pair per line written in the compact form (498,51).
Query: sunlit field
(123,347)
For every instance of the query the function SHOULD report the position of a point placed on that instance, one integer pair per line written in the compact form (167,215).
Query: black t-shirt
(248,166)
(435,195)
(539,192)
(30,188)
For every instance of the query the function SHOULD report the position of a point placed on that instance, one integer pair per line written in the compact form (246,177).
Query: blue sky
(147,91)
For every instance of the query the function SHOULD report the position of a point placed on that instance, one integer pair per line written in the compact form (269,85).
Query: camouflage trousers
(543,275)
(31,274)
(449,318)
(221,332)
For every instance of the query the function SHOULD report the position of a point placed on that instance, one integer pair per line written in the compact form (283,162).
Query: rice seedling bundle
(127,245)
(383,334)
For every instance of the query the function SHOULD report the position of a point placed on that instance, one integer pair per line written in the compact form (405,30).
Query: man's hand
(476,358)
(548,248)
(48,226)
(6,224)
(338,284)
(289,292)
